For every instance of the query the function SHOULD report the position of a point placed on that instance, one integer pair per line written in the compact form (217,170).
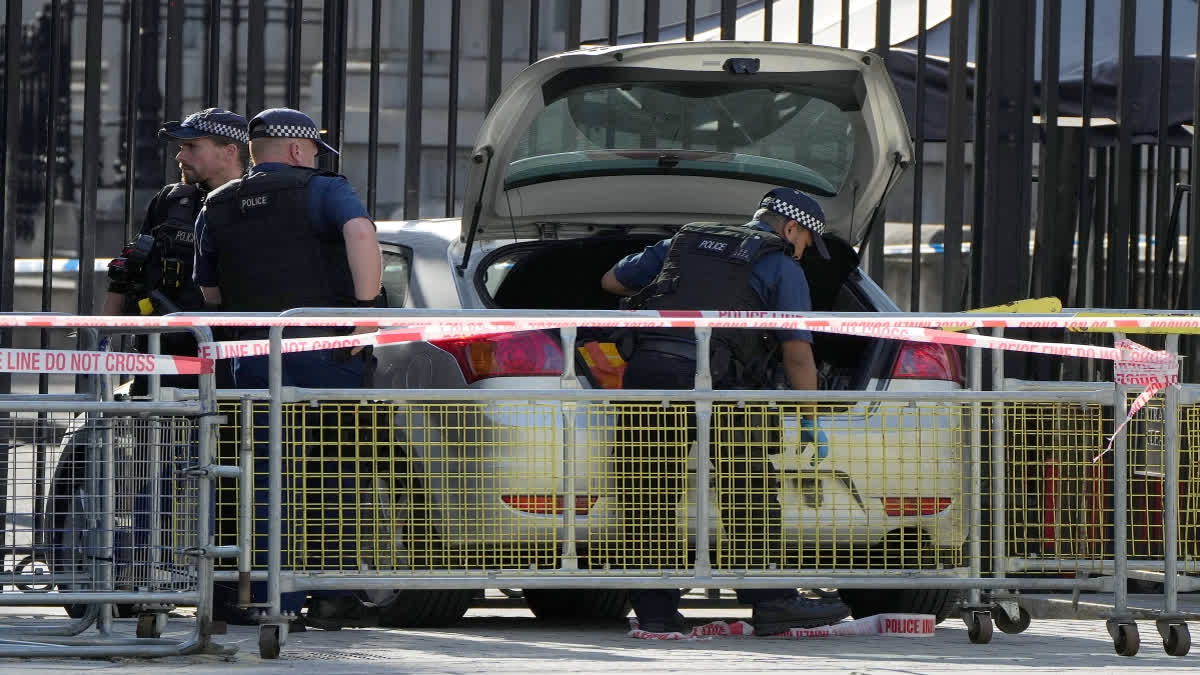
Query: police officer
(154,274)
(289,235)
(709,266)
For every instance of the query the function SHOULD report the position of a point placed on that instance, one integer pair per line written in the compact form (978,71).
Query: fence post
(1120,502)
(1170,494)
(998,457)
(245,499)
(974,510)
(569,410)
(275,485)
(703,568)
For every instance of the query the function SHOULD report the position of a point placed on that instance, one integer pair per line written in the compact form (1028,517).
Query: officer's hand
(359,330)
(811,433)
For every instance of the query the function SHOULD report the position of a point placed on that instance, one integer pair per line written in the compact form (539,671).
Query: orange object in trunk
(604,362)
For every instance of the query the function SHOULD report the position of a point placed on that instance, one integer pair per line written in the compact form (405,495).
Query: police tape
(1120,354)
(1123,352)
(478,321)
(52,361)
(906,625)
(1153,375)
(233,349)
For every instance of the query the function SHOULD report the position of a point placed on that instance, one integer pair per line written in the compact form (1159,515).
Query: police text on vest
(254,202)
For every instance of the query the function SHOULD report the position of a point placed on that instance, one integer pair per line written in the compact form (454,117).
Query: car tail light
(925,361)
(505,355)
(916,506)
(546,504)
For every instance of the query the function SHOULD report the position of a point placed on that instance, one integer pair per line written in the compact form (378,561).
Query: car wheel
(421,609)
(902,549)
(69,538)
(578,604)
(863,602)
(391,542)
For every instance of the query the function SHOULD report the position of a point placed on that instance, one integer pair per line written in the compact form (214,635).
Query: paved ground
(508,639)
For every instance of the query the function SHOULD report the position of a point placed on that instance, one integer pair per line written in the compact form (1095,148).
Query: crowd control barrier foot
(979,625)
(151,624)
(1177,639)
(1126,640)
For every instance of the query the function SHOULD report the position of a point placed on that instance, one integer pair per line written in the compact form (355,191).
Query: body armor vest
(272,256)
(708,267)
(169,265)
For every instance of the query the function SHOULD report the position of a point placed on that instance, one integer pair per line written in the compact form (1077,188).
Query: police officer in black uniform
(709,266)
(289,235)
(154,273)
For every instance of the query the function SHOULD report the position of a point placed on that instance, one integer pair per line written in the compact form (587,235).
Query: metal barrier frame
(64,640)
(971,576)
(977,615)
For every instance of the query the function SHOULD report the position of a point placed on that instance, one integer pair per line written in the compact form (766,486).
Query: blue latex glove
(811,433)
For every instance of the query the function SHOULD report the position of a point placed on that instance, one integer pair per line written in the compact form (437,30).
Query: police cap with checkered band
(795,205)
(287,123)
(208,122)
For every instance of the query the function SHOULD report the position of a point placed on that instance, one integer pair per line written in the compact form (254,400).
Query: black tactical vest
(169,265)
(272,257)
(708,267)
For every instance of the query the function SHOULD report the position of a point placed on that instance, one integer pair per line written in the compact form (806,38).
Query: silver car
(589,156)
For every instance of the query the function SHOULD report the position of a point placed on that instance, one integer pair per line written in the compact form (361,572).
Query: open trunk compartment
(565,274)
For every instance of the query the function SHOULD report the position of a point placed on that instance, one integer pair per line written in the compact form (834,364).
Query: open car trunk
(565,274)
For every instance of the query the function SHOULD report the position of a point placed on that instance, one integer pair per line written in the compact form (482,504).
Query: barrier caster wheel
(268,641)
(31,567)
(1007,625)
(1177,639)
(979,628)
(1126,640)
(149,625)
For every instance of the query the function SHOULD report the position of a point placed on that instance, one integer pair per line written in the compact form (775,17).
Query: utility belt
(678,347)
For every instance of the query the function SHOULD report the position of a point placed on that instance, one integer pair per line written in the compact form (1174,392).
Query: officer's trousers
(651,473)
(314,491)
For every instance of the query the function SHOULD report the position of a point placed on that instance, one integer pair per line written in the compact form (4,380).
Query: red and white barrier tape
(239,348)
(907,625)
(496,322)
(99,363)
(1135,364)
(1153,375)
(222,350)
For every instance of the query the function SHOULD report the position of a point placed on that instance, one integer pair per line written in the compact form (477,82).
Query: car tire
(406,608)
(863,602)
(68,530)
(578,604)
(423,609)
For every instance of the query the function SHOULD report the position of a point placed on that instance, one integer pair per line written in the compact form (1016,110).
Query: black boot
(675,624)
(776,616)
(338,612)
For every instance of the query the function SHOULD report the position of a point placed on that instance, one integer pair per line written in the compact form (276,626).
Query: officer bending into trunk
(154,273)
(709,266)
(289,235)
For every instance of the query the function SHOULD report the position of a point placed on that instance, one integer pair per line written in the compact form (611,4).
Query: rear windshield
(768,134)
